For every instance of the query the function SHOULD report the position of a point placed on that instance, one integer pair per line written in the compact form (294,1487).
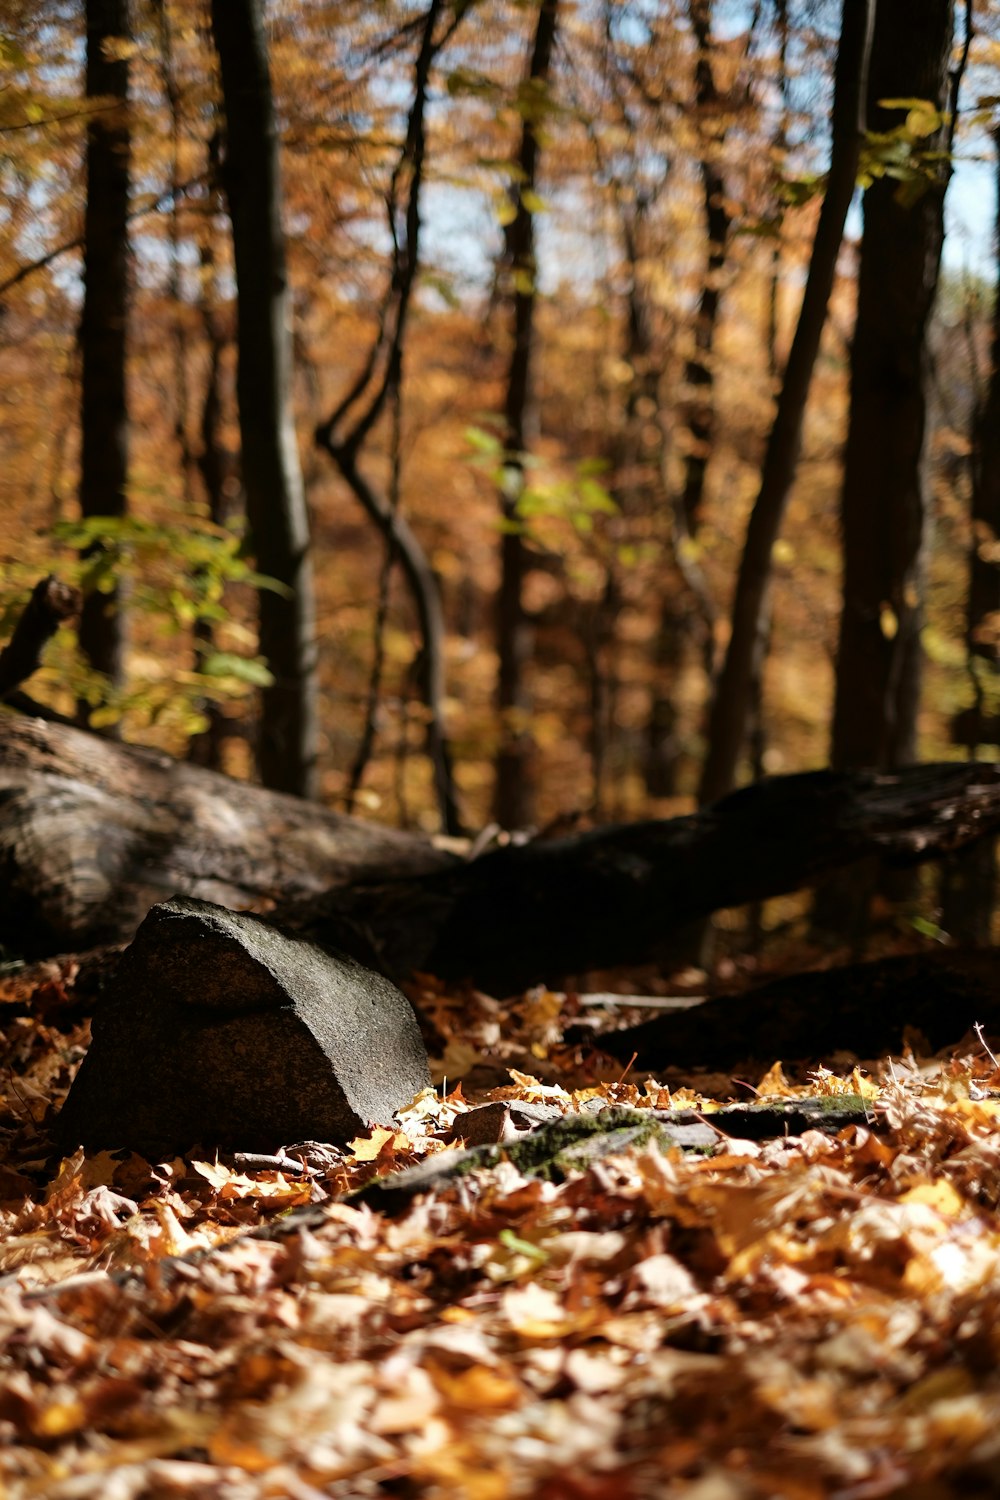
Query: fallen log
(93,833)
(931,999)
(615,895)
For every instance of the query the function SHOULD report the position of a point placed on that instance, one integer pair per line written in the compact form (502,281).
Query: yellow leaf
(774,1081)
(939,1195)
(369,1147)
(866,1087)
(477,1388)
(888,622)
(59,1419)
(214,1172)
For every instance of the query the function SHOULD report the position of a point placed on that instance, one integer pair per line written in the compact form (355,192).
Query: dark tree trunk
(984,568)
(883,502)
(969,881)
(343,435)
(778,148)
(104,321)
(512,798)
(51,604)
(734,690)
(276,507)
(699,376)
(218,469)
(688,614)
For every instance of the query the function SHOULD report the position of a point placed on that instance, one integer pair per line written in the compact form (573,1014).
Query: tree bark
(984,566)
(104,320)
(512,797)
(883,504)
(733,694)
(969,881)
(869,1007)
(288,732)
(51,604)
(92,833)
(552,908)
(699,375)
(689,614)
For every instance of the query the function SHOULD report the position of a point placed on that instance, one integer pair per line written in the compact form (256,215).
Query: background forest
(565,286)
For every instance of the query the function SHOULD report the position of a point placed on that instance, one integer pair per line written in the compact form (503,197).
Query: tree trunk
(984,568)
(104,321)
(276,507)
(969,881)
(699,375)
(218,469)
(512,798)
(343,439)
(733,695)
(883,503)
(687,613)
(217,464)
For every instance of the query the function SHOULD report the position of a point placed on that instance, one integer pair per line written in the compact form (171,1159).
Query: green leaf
(506,212)
(484,442)
(587,467)
(103,718)
(595,498)
(11,54)
(929,929)
(245,669)
(511,1241)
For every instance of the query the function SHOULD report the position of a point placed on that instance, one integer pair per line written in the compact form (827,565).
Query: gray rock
(220,1031)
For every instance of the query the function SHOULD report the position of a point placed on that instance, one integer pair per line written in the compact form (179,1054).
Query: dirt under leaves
(809,1316)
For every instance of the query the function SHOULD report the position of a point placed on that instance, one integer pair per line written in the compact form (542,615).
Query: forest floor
(814,1315)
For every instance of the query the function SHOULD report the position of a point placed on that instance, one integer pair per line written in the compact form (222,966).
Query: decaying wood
(51,604)
(931,999)
(615,895)
(92,833)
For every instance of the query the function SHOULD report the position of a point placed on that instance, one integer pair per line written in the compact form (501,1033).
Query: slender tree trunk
(343,435)
(883,505)
(513,790)
(733,695)
(778,148)
(276,507)
(218,470)
(678,622)
(969,879)
(103,325)
(984,570)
